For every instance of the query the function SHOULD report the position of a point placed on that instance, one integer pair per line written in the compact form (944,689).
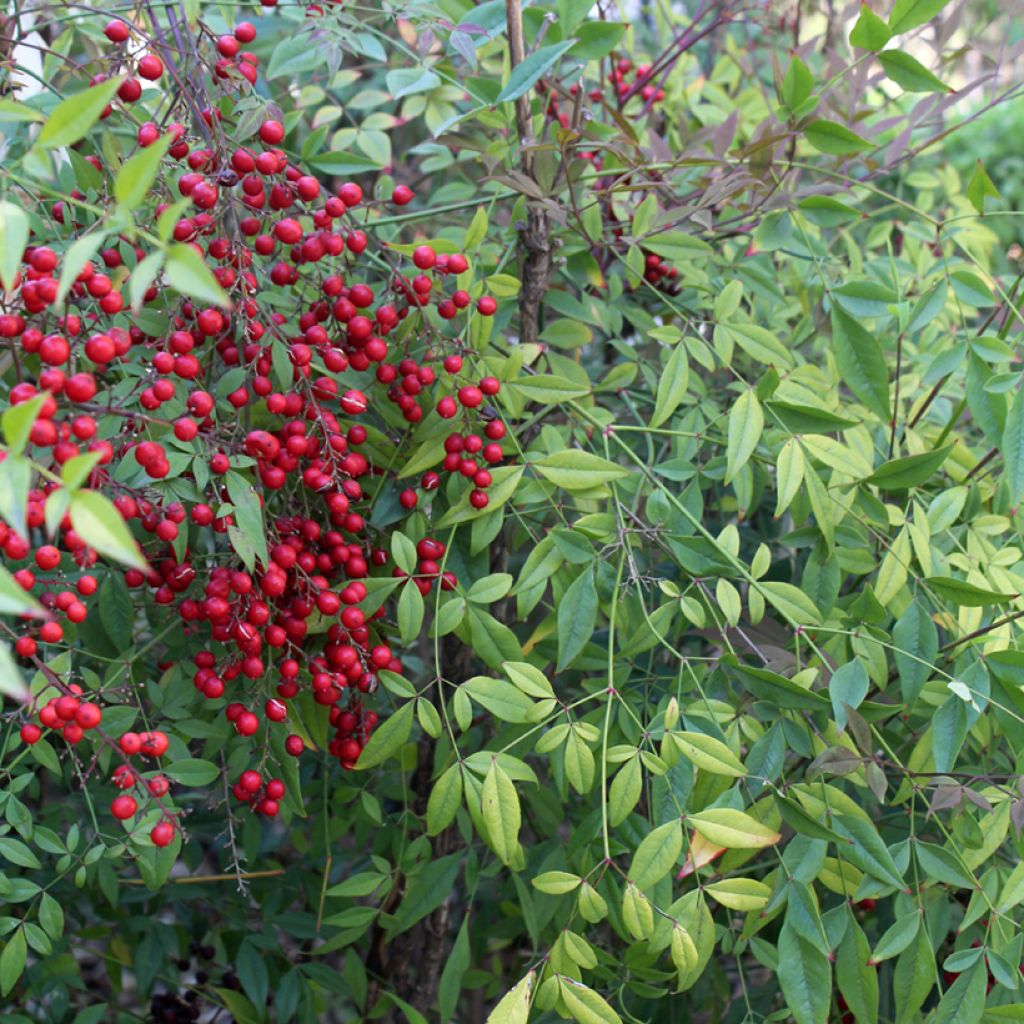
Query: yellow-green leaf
(746,422)
(735,830)
(709,754)
(501,813)
(97,521)
(656,855)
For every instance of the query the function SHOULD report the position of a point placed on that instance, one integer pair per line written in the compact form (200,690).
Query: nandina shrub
(507,514)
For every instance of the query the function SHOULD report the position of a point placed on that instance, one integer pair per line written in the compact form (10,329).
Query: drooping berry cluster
(311,340)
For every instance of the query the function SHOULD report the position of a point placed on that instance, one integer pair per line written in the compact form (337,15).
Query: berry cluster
(311,339)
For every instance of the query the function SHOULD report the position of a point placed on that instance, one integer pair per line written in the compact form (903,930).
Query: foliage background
(754,587)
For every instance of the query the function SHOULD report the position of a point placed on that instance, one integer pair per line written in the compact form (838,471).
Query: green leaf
(597,39)
(72,118)
(965,595)
(847,689)
(427,891)
(410,613)
(504,481)
(548,389)
(408,81)
(656,855)
(792,602)
(343,162)
(797,85)
(248,514)
(857,980)
(188,273)
(294,54)
(455,967)
(15,481)
(949,729)
(14,851)
(943,866)
(861,363)
(908,14)
(585,1005)
(252,973)
(97,521)
(76,470)
(501,813)
(514,1006)
(524,76)
(916,643)
(789,474)
(238,1006)
(11,110)
(388,738)
(746,423)
(193,772)
(12,961)
(900,934)
(444,801)
(709,754)
(909,471)
(138,173)
(672,385)
(805,977)
(979,187)
(744,894)
(735,830)
(12,683)
(625,791)
(577,617)
(365,883)
(913,976)
(964,1000)
(556,883)
(910,74)
(51,916)
(18,420)
(503,699)
(576,470)
(835,139)
(14,231)
(866,849)
(870,32)
(1013,449)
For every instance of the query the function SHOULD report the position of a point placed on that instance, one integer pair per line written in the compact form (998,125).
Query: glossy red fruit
(272,132)
(162,834)
(123,806)
(117,31)
(150,67)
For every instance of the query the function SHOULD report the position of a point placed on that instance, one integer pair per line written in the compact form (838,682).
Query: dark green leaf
(524,76)
(577,617)
(861,363)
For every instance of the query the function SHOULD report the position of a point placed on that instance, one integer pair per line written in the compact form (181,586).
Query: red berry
(151,67)
(272,132)
(117,31)
(30,733)
(350,194)
(424,257)
(353,403)
(162,834)
(123,806)
(402,195)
